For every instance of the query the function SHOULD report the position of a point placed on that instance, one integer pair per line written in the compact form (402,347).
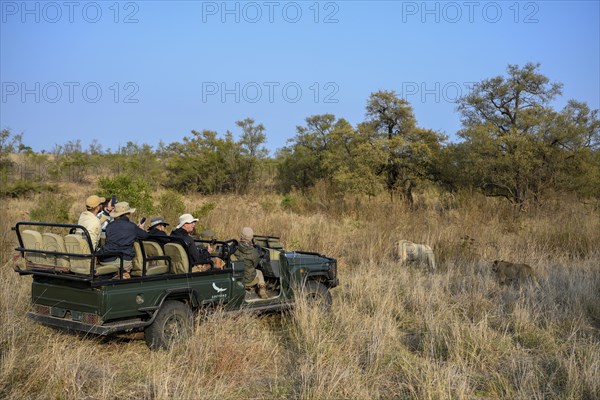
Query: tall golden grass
(394,331)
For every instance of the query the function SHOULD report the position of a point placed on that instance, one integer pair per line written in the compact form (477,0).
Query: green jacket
(249,255)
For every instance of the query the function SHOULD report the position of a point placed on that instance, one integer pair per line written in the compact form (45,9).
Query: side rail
(56,249)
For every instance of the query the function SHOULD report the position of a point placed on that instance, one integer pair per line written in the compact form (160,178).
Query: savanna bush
(51,208)
(22,188)
(136,191)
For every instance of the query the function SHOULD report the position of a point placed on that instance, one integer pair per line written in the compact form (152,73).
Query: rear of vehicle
(71,290)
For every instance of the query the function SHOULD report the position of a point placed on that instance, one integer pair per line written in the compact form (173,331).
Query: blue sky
(146,71)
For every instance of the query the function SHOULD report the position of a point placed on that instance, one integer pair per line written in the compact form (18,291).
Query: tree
(517,143)
(250,152)
(409,151)
(8,144)
(573,149)
(352,159)
(302,163)
(197,164)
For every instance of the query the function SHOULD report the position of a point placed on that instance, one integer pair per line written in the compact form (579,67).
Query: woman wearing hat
(158,227)
(120,235)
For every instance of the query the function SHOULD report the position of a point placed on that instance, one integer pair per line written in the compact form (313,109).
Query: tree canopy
(513,143)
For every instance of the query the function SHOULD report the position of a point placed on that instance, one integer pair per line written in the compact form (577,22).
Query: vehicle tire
(317,295)
(172,324)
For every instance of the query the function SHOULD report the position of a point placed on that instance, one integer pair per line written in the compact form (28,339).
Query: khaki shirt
(92,223)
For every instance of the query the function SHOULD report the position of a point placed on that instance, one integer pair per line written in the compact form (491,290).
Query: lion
(409,252)
(509,273)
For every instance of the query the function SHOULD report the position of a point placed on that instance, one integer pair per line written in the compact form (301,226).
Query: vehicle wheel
(172,324)
(317,295)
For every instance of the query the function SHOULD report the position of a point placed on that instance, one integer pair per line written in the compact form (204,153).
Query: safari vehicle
(72,290)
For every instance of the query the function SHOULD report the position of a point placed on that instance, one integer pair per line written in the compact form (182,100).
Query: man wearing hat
(248,253)
(184,230)
(120,235)
(88,218)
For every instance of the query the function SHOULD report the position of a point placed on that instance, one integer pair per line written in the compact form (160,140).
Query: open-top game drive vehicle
(72,290)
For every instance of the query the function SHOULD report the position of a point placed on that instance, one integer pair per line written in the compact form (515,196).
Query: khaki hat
(93,201)
(186,219)
(247,234)
(157,221)
(121,208)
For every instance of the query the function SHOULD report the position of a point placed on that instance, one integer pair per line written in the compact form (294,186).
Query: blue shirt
(120,235)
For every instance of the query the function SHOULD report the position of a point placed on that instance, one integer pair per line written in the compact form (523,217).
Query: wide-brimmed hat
(157,221)
(94,201)
(247,234)
(121,208)
(186,219)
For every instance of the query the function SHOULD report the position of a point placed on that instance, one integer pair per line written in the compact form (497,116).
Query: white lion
(409,252)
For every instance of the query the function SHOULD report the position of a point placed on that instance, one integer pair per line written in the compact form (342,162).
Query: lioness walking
(509,273)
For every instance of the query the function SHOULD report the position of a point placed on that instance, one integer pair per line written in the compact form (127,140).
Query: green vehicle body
(104,305)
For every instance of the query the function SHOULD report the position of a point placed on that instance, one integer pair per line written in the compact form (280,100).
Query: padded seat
(274,263)
(153,249)
(179,258)
(76,244)
(153,267)
(54,242)
(33,240)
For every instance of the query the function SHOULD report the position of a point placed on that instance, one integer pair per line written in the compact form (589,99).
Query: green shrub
(135,191)
(289,202)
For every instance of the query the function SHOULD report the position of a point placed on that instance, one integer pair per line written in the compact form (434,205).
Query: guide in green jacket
(248,253)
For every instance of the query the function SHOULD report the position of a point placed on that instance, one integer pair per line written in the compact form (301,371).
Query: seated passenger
(89,221)
(249,254)
(158,227)
(120,235)
(183,230)
(106,208)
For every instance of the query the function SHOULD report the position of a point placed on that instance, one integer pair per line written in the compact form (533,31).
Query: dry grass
(394,332)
